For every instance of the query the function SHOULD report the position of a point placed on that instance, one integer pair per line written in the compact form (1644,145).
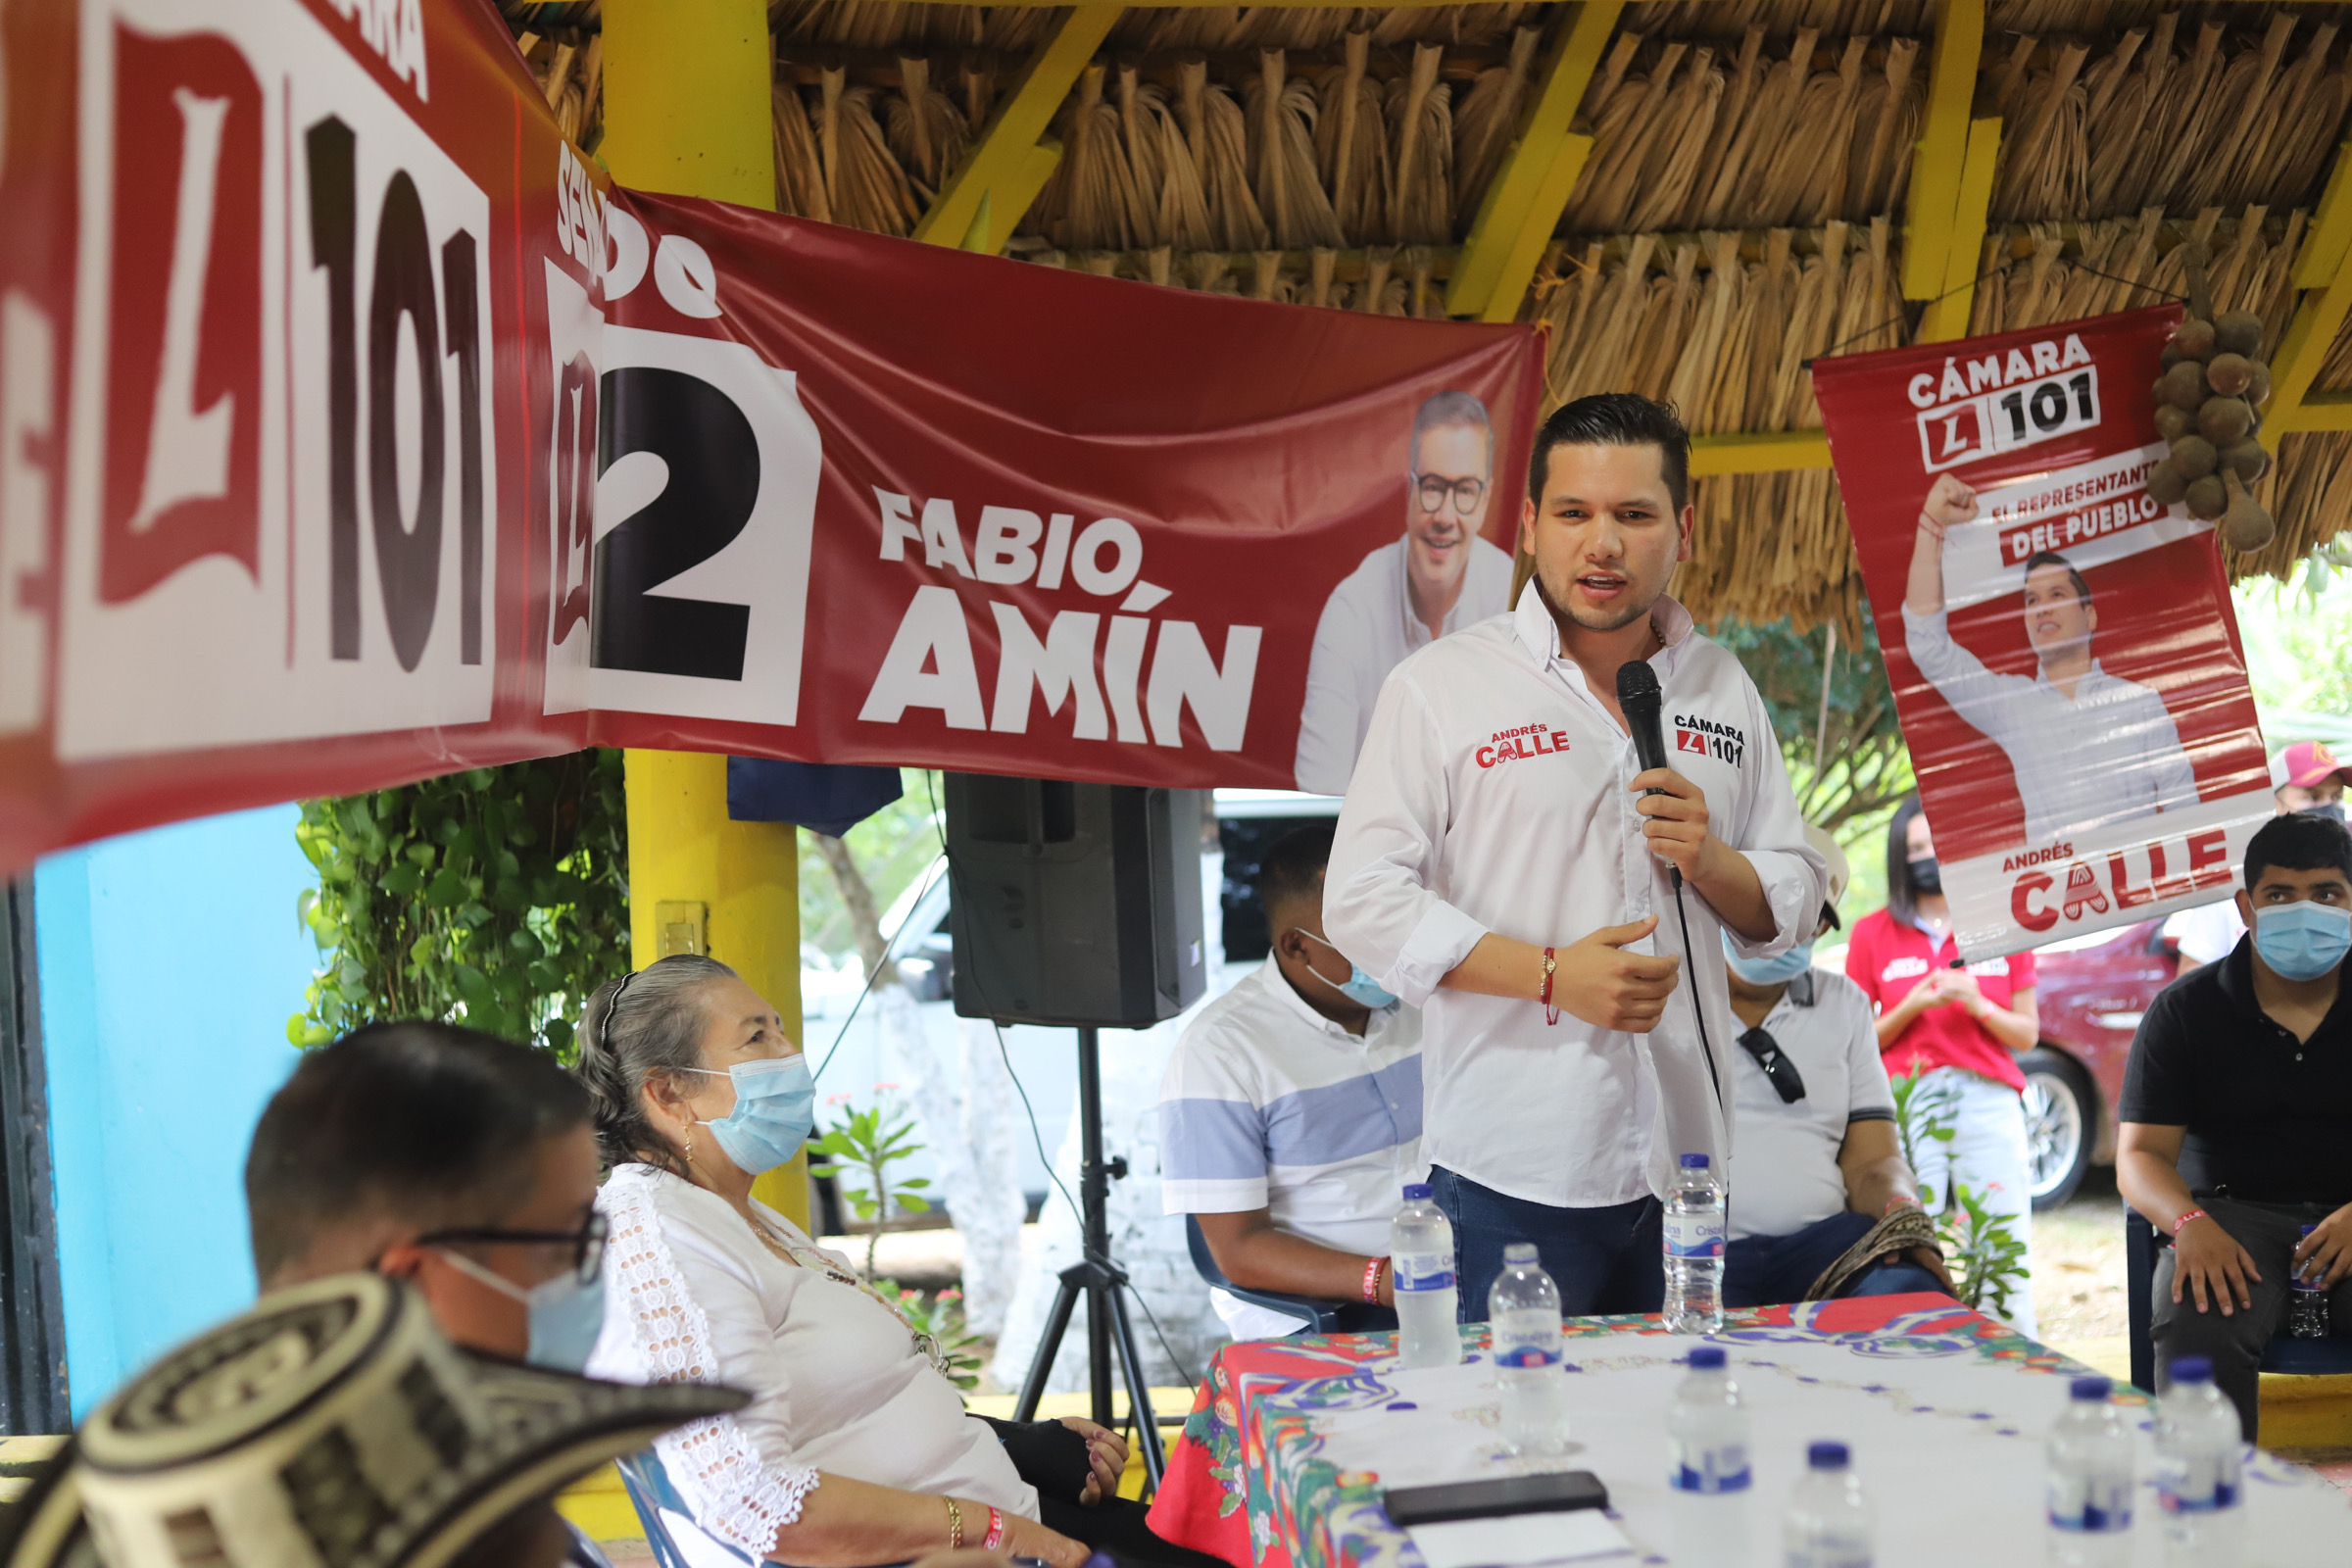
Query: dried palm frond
(1485,121)
(1219,139)
(1886,126)
(1420,118)
(1092,198)
(864,186)
(927,132)
(2226,122)
(1282,157)
(800,165)
(1729,19)
(1351,148)
(1142,112)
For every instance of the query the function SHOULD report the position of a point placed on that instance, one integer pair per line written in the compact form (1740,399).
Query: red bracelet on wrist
(995,1531)
(2194,1213)
(1551,1015)
(1372,1268)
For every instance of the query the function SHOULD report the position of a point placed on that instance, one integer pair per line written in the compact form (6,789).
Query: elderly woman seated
(855,1448)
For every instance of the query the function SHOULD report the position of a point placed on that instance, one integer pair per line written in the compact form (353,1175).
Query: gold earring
(690,1150)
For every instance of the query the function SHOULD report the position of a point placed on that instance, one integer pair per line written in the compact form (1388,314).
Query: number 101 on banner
(283,482)
(1989,407)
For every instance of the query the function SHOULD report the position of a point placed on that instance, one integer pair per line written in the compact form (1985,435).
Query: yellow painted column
(686,112)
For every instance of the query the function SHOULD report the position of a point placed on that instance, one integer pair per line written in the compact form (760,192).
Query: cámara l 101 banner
(2063,657)
(353,428)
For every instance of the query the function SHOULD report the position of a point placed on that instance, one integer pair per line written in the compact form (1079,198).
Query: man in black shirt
(2236,1116)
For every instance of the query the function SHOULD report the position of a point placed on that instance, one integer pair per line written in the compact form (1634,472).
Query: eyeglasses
(1433,488)
(587,1244)
(1779,1070)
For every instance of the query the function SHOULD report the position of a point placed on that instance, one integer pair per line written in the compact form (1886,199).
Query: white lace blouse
(692,1295)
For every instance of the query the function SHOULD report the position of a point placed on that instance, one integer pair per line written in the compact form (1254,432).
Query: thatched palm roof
(1744,207)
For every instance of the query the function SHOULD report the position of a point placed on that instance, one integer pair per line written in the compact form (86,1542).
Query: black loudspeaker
(1074,904)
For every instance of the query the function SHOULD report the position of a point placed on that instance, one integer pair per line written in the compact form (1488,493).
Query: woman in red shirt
(1961,1025)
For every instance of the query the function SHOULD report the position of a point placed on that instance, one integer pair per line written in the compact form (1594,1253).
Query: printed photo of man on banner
(2061,645)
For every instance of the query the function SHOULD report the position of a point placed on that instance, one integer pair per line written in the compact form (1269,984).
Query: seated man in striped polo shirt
(1289,1120)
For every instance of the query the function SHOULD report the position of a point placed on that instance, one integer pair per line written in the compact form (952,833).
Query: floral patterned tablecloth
(1264,1474)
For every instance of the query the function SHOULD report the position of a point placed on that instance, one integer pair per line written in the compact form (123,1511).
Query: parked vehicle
(2092,992)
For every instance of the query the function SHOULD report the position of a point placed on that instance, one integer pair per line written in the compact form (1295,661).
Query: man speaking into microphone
(1506,861)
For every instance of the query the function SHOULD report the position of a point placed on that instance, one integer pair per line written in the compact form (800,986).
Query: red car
(2091,992)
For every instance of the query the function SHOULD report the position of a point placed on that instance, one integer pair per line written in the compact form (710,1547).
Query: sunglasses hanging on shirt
(1779,1070)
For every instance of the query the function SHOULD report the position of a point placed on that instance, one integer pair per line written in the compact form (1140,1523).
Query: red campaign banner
(352,429)
(2062,648)
(1012,519)
(267,403)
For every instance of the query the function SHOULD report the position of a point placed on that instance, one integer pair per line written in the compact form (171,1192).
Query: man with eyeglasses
(1439,577)
(1817,1165)
(453,1160)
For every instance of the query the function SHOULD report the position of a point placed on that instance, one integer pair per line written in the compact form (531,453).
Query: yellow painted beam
(1761,451)
(2318,411)
(1964,240)
(687,111)
(1524,200)
(686,89)
(1938,163)
(2330,237)
(1004,160)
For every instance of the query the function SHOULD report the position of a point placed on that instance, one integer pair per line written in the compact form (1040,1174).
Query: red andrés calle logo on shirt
(1527,741)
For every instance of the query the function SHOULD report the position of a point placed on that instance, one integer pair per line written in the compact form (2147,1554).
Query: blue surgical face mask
(2302,941)
(1768,972)
(1359,986)
(775,1110)
(566,1312)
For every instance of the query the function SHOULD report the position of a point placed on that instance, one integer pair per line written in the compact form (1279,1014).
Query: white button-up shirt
(2108,755)
(1491,795)
(1266,1103)
(1366,629)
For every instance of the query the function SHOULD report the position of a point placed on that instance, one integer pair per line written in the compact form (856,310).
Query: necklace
(924,1343)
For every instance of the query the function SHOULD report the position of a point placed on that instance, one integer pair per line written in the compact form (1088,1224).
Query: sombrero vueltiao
(332,1426)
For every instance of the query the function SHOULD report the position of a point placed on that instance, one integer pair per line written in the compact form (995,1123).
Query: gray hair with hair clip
(656,1035)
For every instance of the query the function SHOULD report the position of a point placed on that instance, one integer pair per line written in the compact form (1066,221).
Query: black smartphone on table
(1555,1492)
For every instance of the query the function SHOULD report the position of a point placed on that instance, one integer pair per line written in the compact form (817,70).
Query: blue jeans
(1767,1270)
(1605,1259)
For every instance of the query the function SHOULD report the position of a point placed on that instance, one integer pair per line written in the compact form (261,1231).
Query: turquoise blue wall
(168,962)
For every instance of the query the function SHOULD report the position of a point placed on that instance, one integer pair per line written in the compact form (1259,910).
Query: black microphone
(1638,696)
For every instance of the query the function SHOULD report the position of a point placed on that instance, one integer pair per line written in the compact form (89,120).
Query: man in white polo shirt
(1819,1163)
(1440,576)
(1504,861)
(1291,1114)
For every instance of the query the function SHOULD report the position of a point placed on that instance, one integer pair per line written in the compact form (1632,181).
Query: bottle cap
(1694,1162)
(1825,1456)
(1415,1192)
(2192,1369)
(1519,1253)
(1707,1358)
(2093,1388)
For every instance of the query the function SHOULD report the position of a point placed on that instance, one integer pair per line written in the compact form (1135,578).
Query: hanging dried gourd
(2207,410)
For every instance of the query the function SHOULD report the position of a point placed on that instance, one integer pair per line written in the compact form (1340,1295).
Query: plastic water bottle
(1523,1320)
(1706,1440)
(2199,1465)
(2306,1303)
(1694,1250)
(1829,1524)
(1421,1267)
(2090,1481)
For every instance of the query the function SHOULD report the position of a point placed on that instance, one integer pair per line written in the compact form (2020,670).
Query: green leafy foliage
(497,897)
(893,848)
(942,1318)
(864,1146)
(1988,1259)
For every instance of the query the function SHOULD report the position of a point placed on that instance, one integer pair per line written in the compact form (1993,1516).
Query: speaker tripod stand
(1099,1280)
